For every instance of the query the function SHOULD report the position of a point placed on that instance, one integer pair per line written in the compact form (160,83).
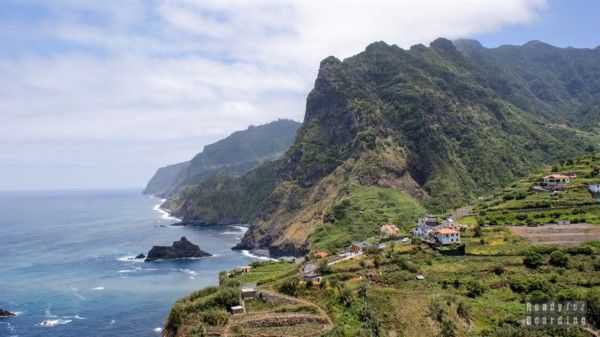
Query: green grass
(517,205)
(359,214)
(265,272)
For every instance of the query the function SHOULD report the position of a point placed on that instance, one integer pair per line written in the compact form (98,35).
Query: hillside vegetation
(518,204)
(378,294)
(433,127)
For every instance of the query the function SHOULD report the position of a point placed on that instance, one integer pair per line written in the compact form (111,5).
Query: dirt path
(558,234)
(459,213)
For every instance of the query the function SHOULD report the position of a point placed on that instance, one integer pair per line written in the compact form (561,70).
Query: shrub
(532,259)
(345,295)
(519,284)
(558,258)
(498,269)
(214,317)
(475,288)
(290,286)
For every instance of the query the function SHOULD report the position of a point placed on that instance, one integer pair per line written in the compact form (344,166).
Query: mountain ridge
(432,124)
(235,154)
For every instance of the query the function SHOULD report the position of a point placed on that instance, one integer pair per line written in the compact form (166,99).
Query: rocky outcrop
(182,249)
(140,256)
(6,313)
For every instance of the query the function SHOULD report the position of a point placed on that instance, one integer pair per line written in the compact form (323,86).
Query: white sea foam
(129,258)
(258,257)
(17,313)
(164,214)
(49,323)
(75,292)
(78,317)
(98,288)
(157,330)
(48,313)
(112,321)
(124,271)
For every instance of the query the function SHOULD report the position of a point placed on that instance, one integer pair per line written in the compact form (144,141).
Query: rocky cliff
(236,154)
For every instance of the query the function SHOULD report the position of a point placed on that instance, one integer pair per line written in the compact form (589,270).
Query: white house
(556,179)
(446,235)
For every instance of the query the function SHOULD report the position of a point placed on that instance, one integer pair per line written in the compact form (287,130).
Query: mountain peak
(442,44)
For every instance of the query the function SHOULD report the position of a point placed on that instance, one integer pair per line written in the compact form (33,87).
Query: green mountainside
(236,154)
(390,133)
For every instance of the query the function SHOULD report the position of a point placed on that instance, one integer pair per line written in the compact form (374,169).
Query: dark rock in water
(5,313)
(179,250)
(141,256)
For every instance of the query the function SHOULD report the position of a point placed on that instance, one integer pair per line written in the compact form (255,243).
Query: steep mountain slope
(427,127)
(166,177)
(237,154)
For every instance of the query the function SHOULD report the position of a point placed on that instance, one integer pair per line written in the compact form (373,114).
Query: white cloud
(160,80)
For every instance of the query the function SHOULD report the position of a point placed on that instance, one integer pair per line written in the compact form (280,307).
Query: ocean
(67,263)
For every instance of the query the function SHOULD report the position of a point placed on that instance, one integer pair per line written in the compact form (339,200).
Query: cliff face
(237,154)
(166,177)
(390,131)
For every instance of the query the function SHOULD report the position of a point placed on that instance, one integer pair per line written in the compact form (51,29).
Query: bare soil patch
(558,234)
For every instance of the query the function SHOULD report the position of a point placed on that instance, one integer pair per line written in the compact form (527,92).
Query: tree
(323,267)
(478,231)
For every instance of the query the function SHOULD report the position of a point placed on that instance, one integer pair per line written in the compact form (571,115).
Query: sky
(98,94)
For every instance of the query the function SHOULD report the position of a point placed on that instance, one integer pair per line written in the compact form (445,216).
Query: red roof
(447,230)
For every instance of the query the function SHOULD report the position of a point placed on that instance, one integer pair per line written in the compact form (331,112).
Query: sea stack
(5,313)
(181,249)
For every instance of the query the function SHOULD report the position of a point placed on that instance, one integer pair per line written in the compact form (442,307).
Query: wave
(129,258)
(240,230)
(49,323)
(98,288)
(164,214)
(112,322)
(75,292)
(257,257)
(157,330)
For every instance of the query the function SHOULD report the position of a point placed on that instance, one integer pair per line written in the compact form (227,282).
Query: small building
(359,247)
(564,222)
(237,310)
(389,229)
(428,220)
(245,269)
(556,179)
(248,291)
(446,235)
(422,230)
(595,191)
(321,255)
(310,273)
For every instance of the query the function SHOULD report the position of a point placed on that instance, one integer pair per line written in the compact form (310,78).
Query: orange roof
(321,254)
(446,230)
(557,175)
(389,229)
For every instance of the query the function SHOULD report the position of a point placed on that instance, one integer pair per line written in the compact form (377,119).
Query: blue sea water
(66,262)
